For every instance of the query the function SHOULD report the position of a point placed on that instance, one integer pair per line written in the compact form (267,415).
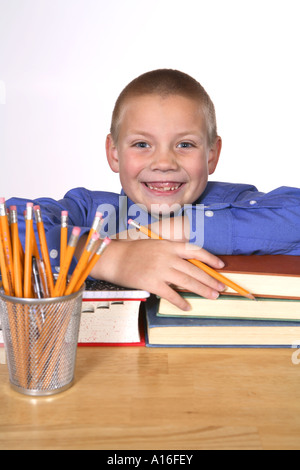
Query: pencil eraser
(36,208)
(29,204)
(13,208)
(76,231)
(130,221)
(107,241)
(65,213)
(2,200)
(95,236)
(99,214)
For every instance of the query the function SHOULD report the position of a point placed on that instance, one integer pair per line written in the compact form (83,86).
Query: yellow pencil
(28,252)
(44,249)
(17,262)
(81,265)
(216,275)
(96,227)
(3,269)
(60,285)
(91,264)
(97,224)
(7,246)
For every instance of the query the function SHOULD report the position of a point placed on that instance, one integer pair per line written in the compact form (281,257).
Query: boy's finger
(198,274)
(173,297)
(189,283)
(200,254)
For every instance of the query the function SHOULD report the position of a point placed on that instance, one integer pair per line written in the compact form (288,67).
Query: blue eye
(142,145)
(185,145)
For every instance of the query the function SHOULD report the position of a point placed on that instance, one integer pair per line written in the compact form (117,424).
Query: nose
(164,160)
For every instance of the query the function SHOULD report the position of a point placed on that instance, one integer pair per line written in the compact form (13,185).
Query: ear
(112,154)
(214,155)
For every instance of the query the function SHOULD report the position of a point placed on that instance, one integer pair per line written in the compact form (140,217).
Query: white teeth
(166,188)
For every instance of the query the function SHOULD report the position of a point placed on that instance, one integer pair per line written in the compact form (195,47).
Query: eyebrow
(141,133)
(179,135)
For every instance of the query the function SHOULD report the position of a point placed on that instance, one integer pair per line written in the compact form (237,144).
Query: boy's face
(162,153)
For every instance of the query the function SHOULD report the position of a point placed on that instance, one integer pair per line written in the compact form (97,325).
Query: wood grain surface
(162,399)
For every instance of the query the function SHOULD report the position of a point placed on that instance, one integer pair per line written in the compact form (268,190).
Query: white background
(64,62)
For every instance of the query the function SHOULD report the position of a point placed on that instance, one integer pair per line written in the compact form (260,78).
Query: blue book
(203,332)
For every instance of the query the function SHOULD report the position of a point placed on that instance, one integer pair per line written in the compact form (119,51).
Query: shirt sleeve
(255,223)
(80,210)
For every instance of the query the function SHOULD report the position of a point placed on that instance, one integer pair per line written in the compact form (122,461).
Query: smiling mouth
(164,187)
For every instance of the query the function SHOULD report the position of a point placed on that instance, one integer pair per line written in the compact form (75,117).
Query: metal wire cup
(40,338)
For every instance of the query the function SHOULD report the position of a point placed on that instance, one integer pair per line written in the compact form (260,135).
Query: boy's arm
(156,266)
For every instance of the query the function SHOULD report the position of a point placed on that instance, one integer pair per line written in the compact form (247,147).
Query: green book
(234,307)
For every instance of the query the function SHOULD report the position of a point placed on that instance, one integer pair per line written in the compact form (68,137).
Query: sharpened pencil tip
(251,297)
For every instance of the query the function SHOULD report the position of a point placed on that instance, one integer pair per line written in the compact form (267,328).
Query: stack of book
(272,320)
(111,315)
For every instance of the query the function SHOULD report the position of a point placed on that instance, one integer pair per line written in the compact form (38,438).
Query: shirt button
(53,254)
(209,213)
(252,203)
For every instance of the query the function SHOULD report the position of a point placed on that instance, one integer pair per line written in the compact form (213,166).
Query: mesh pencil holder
(40,338)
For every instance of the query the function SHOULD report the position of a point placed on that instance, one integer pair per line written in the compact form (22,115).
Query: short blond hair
(166,82)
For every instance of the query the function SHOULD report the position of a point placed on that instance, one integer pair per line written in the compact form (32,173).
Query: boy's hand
(156,265)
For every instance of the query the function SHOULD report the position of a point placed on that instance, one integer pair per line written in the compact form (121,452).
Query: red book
(111,316)
(276,276)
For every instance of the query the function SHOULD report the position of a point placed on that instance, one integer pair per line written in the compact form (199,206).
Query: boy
(164,144)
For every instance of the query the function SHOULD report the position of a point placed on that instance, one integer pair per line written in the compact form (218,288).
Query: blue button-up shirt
(237,218)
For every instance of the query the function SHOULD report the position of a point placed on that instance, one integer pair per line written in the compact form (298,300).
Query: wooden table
(161,399)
